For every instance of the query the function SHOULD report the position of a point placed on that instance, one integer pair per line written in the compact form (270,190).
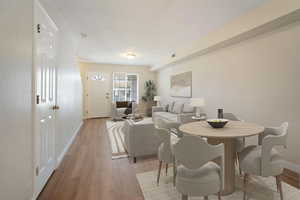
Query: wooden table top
(233,129)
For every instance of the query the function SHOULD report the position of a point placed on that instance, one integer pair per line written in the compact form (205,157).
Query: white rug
(258,189)
(116,138)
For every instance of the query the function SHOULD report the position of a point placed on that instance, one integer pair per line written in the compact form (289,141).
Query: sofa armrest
(141,140)
(185,117)
(157,109)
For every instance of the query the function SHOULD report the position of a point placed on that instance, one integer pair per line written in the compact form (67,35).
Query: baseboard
(61,156)
(63,153)
(291,174)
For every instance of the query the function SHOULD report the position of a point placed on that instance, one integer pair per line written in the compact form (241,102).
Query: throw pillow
(164,106)
(177,108)
(187,108)
(170,107)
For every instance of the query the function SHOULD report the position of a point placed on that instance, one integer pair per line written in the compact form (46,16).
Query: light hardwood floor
(88,172)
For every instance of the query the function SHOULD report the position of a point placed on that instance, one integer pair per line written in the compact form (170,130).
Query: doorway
(98,95)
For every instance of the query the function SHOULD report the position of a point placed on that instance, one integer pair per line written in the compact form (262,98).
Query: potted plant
(148,98)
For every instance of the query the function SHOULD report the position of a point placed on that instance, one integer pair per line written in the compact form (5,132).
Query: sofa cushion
(167,116)
(177,108)
(187,108)
(170,106)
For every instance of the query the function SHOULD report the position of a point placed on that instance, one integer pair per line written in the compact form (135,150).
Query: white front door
(98,97)
(45,89)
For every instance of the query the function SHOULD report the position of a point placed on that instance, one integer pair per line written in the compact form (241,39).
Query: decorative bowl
(217,123)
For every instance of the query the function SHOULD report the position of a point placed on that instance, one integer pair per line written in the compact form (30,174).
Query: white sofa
(176,111)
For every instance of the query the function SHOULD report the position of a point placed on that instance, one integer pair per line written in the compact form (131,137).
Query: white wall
(15,99)
(265,17)
(257,79)
(16,146)
(69,91)
(143,71)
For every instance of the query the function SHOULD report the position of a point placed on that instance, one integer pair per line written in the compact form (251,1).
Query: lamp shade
(156,98)
(197,102)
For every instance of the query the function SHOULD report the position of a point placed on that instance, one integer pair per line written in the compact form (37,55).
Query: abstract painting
(181,85)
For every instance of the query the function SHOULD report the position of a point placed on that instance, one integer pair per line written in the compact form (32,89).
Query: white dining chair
(175,136)
(165,155)
(264,160)
(239,142)
(197,174)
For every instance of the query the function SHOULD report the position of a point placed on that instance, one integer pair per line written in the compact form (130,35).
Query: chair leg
(246,176)
(184,197)
(167,165)
(238,163)
(219,196)
(279,186)
(174,171)
(159,169)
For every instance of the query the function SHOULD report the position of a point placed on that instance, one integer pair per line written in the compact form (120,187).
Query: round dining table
(226,135)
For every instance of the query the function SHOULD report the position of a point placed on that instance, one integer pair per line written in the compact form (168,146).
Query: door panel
(45,88)
(98,96)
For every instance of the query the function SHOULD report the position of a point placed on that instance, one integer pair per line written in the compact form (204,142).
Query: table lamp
(198,103)
(157,99)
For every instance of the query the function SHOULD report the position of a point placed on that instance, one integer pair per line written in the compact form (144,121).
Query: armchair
(119,108)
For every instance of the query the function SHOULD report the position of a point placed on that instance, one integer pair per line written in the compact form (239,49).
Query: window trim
(137,85)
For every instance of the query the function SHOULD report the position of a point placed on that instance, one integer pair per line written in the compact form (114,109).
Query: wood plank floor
(88,172)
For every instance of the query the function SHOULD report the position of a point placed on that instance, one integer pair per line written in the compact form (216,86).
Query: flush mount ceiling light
(130,55)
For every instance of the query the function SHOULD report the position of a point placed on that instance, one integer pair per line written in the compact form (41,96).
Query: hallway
(87,171)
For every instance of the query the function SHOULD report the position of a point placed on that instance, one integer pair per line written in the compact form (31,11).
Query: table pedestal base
(229,163)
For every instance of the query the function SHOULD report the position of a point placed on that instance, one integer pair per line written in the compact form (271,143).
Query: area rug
(258,189)
(116,138)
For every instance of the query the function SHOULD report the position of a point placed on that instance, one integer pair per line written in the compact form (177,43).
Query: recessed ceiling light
(130,55)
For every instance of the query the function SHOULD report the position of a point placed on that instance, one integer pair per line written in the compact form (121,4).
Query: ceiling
(152,29)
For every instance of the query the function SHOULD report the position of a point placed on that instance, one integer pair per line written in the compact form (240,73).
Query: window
(98,77)
(125,87)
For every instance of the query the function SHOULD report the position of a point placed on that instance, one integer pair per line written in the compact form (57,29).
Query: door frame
(35,130)
(86,95)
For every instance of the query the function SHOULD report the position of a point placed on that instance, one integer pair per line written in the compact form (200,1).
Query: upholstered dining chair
(197,174)
(164,150)
(175,136)
(264,160)
(239,142)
